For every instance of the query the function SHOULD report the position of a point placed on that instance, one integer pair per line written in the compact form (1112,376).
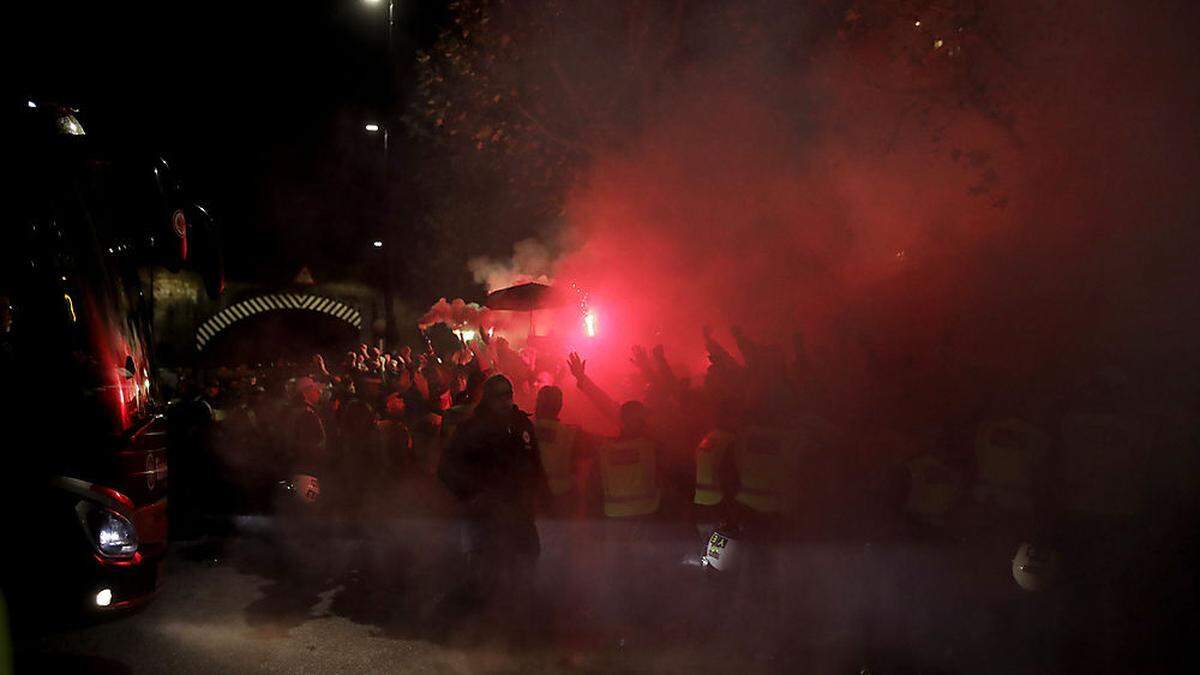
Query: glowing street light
(375,128)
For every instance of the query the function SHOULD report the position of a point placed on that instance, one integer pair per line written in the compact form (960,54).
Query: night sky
(259,106)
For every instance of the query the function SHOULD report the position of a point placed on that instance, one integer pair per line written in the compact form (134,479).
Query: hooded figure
(492,465)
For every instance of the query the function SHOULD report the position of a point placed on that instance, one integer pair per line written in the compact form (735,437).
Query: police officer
(716,474)
(934,489)
(629,467)
(756,504)
(558,444)
(492,465)
(767,464)
(1010,459)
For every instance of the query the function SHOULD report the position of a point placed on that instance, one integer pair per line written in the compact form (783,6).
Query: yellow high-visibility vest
(933,489)
(1009,453)
(767,463)
(627,469)
(556,441)
(709,456)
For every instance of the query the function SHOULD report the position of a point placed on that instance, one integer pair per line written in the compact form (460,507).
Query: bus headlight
(111,533)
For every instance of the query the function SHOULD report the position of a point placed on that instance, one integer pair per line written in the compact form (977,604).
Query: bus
(84,455)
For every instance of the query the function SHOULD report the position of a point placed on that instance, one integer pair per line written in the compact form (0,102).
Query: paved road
(371,600)
(247,604)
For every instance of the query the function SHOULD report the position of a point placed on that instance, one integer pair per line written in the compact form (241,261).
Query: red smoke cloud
(923,244)
(456,314)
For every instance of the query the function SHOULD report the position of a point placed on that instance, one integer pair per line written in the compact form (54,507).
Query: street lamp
(385,212)
(374,128)
(391,14)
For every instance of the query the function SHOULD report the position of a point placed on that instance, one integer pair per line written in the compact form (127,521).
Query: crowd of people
(376,412)
(757,452)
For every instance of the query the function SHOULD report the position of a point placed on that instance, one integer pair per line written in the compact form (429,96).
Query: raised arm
(666,376)
(607,406)
(751,351)
(641,361)
(482,358)
(717,354)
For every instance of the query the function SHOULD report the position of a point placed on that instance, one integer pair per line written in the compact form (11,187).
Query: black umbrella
(525,298)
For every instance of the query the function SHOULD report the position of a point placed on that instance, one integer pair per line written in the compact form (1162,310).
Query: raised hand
(717,354)
(421,383)
(576,365)
(481,352)
(659,355)
(751,352)
(640,360)
(638,352)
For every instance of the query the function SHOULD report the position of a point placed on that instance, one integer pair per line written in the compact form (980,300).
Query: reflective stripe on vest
(708,457)
(1009,453)
(555,442)
(627,471)
(766,463)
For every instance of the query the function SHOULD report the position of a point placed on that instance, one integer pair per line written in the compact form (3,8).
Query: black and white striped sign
(266,303)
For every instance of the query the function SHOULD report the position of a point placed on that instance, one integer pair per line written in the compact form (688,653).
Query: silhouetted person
(560,452)
(492,465)
(306,431)
(397,441)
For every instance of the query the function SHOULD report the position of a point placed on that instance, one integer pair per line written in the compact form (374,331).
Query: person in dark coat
(306,430)
(492,465)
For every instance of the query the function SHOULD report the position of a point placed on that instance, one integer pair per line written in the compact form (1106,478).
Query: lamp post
(391,22)
(380,243)
(382,127)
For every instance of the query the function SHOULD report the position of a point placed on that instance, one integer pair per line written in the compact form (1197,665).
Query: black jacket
(493,465)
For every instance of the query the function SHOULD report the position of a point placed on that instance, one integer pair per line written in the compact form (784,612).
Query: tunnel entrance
(286,334)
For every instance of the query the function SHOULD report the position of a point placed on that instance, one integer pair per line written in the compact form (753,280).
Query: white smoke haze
(531,261)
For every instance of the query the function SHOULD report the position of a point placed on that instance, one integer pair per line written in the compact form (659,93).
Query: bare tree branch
(569,91)
(545,131)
